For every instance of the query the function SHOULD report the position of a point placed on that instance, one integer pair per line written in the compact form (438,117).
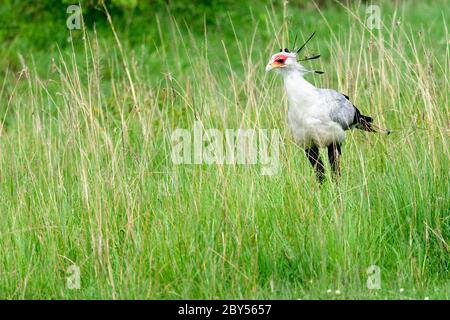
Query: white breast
(309,114)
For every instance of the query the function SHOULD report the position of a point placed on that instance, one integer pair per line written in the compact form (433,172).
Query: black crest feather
(303,45)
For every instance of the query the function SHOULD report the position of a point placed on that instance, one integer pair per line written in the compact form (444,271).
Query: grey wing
(342,110)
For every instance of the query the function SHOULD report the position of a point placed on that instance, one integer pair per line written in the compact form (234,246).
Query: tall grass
(87,179)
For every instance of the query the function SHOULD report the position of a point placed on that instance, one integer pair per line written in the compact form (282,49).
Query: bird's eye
(279,60)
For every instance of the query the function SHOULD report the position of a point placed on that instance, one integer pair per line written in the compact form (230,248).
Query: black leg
(334,151)
(314,158)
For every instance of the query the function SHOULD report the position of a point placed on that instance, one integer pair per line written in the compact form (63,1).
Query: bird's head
(282,61)
(286,61)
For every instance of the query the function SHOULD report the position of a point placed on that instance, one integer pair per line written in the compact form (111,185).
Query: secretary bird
(317,117)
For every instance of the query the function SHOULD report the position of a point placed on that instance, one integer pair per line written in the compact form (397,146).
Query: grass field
(86,176)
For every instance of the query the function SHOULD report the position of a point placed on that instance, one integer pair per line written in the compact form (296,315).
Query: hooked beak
(274,65)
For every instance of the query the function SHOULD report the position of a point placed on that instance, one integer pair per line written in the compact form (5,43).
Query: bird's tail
(366,123)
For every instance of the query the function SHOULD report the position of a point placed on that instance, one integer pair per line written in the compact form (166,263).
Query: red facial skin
(279,59)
